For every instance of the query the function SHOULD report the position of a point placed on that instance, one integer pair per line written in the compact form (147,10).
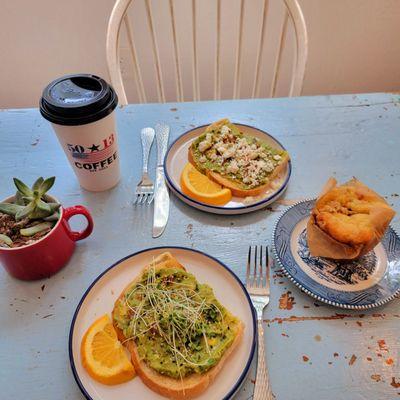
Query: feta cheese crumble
(241,158)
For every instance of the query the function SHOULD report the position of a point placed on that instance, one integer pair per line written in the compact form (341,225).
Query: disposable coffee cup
(81,111)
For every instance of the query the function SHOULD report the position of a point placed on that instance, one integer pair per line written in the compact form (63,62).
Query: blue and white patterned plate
(368,282)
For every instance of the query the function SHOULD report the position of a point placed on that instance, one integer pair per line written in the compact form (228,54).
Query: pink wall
(353,47)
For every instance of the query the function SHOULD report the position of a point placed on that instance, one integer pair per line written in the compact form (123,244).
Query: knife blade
(161,198)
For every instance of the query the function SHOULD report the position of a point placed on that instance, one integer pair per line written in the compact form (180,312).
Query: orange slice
(103,355)
(199,187)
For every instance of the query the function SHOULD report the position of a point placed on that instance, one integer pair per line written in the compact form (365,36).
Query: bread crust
(232,185)
(190,386)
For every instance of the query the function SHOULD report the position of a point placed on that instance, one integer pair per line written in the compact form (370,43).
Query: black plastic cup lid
(77,100)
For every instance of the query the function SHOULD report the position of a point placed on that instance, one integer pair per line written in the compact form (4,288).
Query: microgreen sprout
(176,312)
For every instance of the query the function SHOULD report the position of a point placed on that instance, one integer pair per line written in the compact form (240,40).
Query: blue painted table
(313,351)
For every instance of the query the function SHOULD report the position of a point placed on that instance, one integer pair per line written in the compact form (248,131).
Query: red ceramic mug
(49,254)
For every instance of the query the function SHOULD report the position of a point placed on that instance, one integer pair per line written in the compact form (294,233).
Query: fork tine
(260,278)
(255,267)
(151,197)
(268,267)
(248,268)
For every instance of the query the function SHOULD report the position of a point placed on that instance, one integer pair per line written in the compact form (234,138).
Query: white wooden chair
(121,18)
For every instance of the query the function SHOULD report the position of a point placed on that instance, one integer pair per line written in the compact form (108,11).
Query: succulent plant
(32,211)
(5,239)
(32,230)
(31,202)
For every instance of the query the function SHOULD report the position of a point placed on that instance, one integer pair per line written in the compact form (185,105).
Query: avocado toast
(242,163)
(177,332)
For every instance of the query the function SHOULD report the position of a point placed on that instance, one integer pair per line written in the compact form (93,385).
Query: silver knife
(161,198)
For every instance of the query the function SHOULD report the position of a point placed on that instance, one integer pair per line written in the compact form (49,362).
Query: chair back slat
(195,66)
(238,61)
(156,53)
(177,58)
(137,74)
(256,86)
(217,86)
(278,58)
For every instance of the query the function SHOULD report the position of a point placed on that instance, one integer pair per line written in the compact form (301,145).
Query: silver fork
(258,286)
(145,188)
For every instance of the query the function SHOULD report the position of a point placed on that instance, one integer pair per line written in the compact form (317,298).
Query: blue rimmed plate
(368,282)
(106,288)
(177,157)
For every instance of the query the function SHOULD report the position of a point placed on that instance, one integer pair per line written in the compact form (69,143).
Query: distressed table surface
(313,351)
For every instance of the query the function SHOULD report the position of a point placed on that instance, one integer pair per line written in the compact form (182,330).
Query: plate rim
(227,211)
(313,295)
(242,376)
(244,207)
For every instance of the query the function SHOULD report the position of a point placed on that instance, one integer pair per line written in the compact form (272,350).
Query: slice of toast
(237,188)
(190,386)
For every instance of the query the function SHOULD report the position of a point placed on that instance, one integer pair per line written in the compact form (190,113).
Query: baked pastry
(347,221)
(177,332)
(242,163)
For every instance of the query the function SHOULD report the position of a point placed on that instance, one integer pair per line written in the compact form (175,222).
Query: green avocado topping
(178,325)
(243,159)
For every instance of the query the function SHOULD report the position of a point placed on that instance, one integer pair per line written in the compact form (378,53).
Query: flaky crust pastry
(347,221)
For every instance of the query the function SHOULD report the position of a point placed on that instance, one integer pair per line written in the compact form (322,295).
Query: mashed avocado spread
(178,325)
(244,159)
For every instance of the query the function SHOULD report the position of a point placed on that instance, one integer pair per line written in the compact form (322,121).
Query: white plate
(177,157)
(103,292)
